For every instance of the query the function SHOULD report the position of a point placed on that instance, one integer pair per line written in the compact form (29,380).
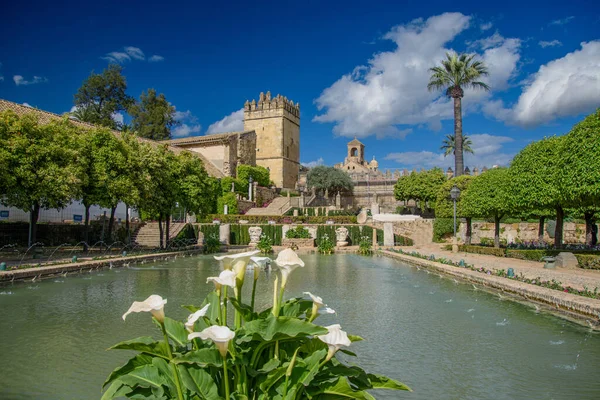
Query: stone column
(338,200)
(388,234)
(224,230)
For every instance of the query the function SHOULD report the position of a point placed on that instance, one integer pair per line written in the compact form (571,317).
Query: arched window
(354,152)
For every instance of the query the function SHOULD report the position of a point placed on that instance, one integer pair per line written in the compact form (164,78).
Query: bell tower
(356,152)
(276,122)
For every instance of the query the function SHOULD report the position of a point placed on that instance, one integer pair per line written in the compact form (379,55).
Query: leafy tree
(153,116)
(195,187)
(329,178)
(84,114)
(580,168)
(456,73)
(444,205)
(535,182)
(488,196)
(541,215)
(448,145)
(41,161)
(102,95)
(259,174)
(422,186)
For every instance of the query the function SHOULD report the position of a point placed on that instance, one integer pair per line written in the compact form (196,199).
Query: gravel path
(576,278)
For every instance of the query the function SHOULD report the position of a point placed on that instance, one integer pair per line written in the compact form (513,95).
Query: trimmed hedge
(230,200)
(443,227)
(208,230)
(588,261)
(238,234)
(279,219)
(492,251)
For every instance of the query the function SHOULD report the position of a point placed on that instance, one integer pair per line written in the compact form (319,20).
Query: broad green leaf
(199,381)
(176,331)
(202,357)
(341,390)
(383,382)
(141,393)
(296,307)
(167,372)
(270,365)
(144,376)
(144,344)
(355,338)
(116,389)
(135,362)
(244,309)
(272,378)
(273,328)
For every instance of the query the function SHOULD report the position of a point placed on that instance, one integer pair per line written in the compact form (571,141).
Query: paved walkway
(576,278)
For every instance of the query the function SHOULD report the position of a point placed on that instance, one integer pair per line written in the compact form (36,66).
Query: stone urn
(254,232)
(341,234)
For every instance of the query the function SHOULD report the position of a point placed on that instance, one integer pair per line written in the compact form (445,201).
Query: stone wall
(244,205)
(265,195)
(523,231)
(420,231)
(298,242)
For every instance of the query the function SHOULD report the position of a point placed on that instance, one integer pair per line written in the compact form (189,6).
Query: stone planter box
(286,242)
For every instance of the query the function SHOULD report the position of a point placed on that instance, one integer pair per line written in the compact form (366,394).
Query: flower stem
(174,366)
(253,293)
(225,377)
(275,309)
(224,322)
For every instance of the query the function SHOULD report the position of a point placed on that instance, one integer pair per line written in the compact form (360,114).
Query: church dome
(374,163)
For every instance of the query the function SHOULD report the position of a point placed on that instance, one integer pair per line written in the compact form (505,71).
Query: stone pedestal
(254,232)
(454,245)
(295,212)
(566,260)
(388,234)
(224,230)
(340,235)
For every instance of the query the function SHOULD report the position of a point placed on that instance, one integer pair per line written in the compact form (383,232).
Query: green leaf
(244,309)
(144,376)
(144,344)
(202,357)
(199,381)
(355,338)
(167,373)
(383,382)
(135,362)
(116,389)
(176,331)
(296,307)
(270,365)
(273,328)
(341,390)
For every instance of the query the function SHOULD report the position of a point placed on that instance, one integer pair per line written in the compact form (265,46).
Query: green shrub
(211,244)
(240,187)
(588,261)
(264,244)
(365,246)
(231,201)
(442,227)
(299,232)
(259,174)
(492,251)
(531,255)
(325,245)
(280,219)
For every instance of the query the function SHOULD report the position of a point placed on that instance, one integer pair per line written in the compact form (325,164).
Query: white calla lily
(220,335)
(287,261)
(326,310)
(334,339)
(237,262)
(225,278)
(258,264)
(154,304)
(316,299)
(189,325)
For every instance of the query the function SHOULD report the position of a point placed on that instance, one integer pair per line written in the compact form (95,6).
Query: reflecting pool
(445,340)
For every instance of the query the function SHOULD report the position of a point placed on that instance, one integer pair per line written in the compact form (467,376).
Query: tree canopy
(444,205)
(329,178)
(420,186)
(153,116)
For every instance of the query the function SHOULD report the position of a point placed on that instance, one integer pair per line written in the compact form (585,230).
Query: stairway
(279,206)
(149,234)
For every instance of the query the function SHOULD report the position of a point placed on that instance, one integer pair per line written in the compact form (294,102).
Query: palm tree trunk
(458,138)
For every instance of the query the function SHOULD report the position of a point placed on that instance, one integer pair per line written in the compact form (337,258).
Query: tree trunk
(160,231)
(497,232)
(541,230)
(589,222)
(469,231)
(127,223)
(458,138)
(558,232)
(33,218)
(86,228)
(167,229)
(594,234)
(111,222)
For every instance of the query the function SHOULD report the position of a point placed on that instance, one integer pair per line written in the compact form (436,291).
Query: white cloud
(552,43)
(118,117)
(27,105)
(233,122)
(562,21)
(488,152)
(312,164)
(130,53)
(486,26)
(487,42)
(188,124)
(20,81)
(391,91)
(567,86)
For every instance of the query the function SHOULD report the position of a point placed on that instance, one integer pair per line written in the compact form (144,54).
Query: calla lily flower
(287,261)
(237,263)
(189,325)
(318,306)
(259,263)
(316,299)
(220,335)
(326,310)
(334,339)
(225,278)
(154,304)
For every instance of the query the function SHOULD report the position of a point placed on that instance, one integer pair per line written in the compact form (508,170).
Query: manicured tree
(259,174)
(456,73)
(41,162)
(448,145)
(194,185)
(427,185)
(488,196)
(590,214)
(444,205)
(541,215)
(153,116)
(103,95)
(580,168)
(329,178)
(403,187)
(535,184)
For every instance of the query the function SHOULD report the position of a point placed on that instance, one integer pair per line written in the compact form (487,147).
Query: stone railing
(288,242)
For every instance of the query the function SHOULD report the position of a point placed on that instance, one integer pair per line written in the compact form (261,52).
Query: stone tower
(356,151)
(276,122)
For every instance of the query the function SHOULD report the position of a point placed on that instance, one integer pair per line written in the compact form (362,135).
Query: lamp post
(250,180)
(454,194)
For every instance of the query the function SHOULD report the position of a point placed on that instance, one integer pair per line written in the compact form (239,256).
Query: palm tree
(448,145)
(83,114)
(458,72)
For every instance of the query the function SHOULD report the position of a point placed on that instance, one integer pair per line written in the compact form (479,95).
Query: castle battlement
(265,102)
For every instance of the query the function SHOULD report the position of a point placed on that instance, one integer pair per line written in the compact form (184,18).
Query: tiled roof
(205,138)
(46,117)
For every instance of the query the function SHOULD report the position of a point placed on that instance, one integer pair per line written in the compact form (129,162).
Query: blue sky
(357,69)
